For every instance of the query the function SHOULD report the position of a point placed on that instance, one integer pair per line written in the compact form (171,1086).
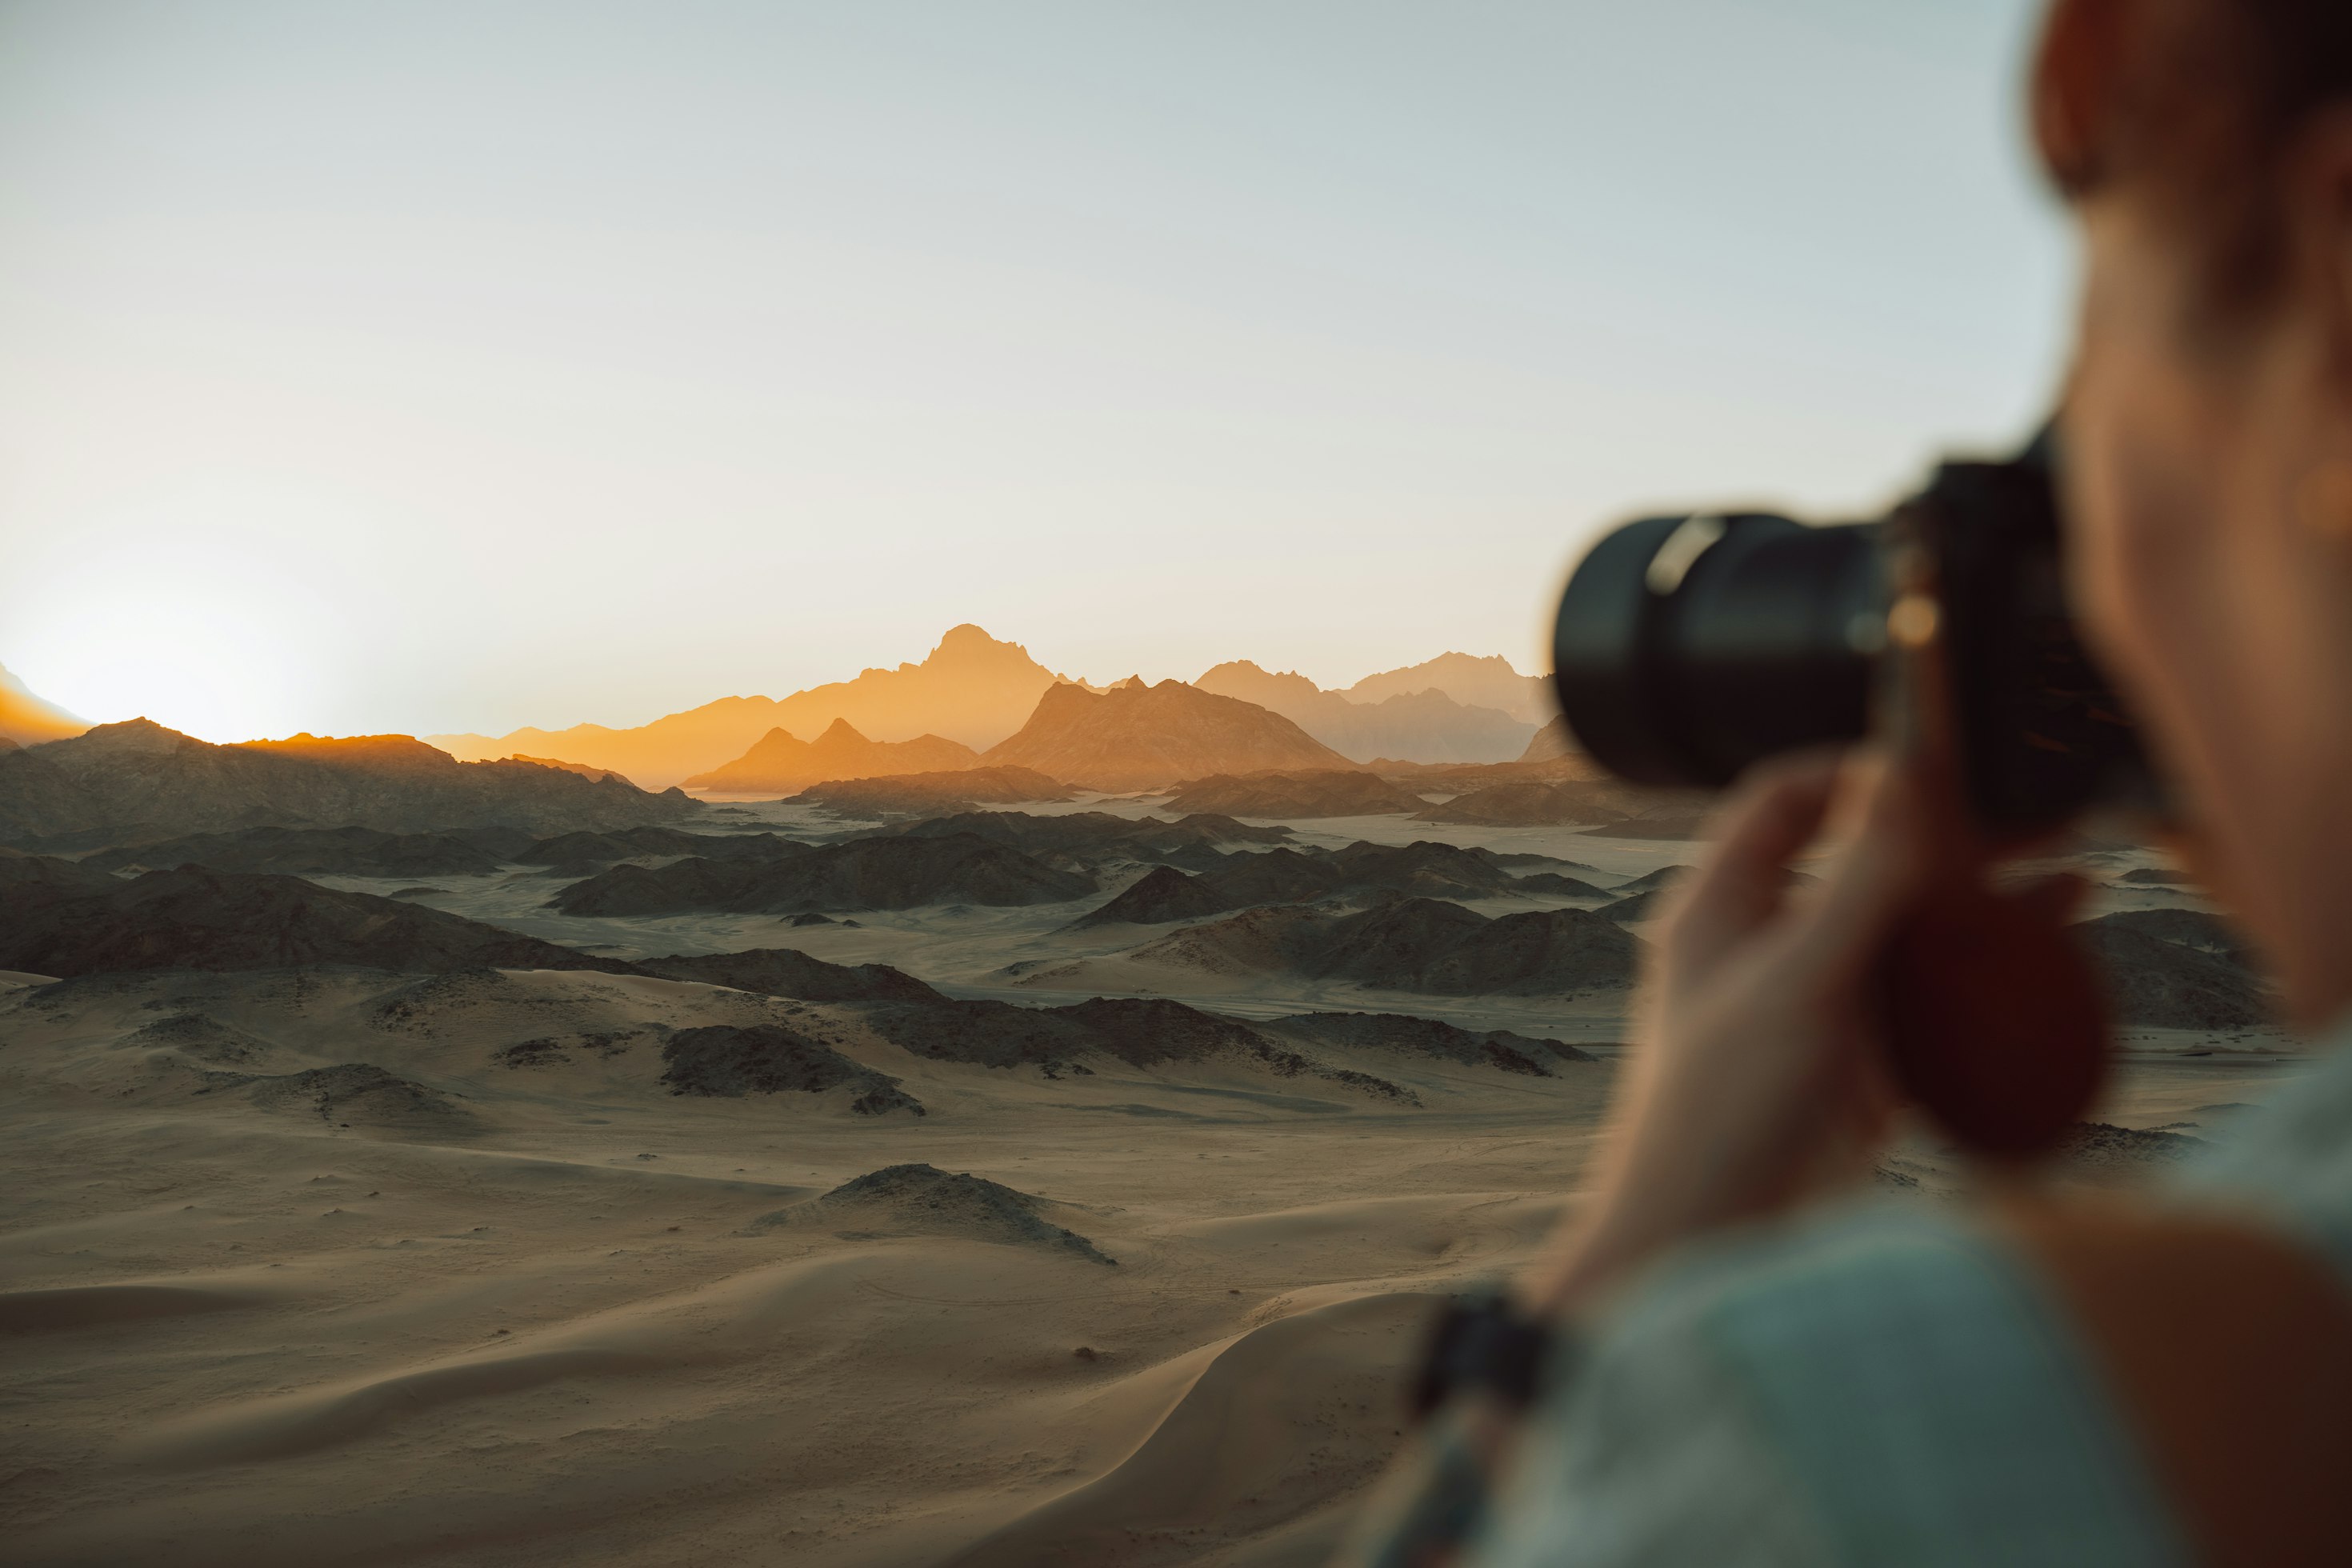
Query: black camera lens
(1689,647)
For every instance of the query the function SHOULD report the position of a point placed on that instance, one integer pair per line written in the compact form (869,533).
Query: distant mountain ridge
(1423,725)
(29,721)
(137,781)
(782,762)
(972,689)
(1473,681)
(1138,737)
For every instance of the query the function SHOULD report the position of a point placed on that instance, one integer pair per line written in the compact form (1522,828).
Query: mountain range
(781,762)
(1138,737)
(1426,725)
(27,721)
(137,781)
(972,689)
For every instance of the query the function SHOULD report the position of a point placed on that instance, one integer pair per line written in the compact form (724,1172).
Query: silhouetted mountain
(122,783)
(1555,750)
(785,972)
(961,787)
(308,852)
(585,770)
(1415,944)
(781,762)
(1294,795)
(1488,682)
(1138,737)
(879,873)
(195,918)
(1425,725)
(971,689)
(2166,984)
(28,721)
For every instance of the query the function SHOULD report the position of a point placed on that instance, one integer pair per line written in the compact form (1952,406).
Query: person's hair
(2198,100)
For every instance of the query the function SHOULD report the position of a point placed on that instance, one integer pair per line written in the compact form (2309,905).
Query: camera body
(1688,648)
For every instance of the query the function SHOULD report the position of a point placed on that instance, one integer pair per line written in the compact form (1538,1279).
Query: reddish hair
(2199,102)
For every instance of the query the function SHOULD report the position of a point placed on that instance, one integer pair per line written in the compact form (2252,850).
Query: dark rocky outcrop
(908,794)
(879,873)
(1294,795)
(921,1199)
(1417,944)
(137,782)
(732,1061)
(784,972)
(1142,1032)
(2153,982)
(1407,1035)
(1241,881)
(1538,803)
(309,852)
(195,918)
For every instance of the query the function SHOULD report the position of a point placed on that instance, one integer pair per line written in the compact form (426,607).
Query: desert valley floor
(339,1266)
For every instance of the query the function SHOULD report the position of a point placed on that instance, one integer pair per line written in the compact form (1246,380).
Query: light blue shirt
(1879,1384)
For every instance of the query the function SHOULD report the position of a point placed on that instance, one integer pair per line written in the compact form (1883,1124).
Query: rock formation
(196,918)
(880,873)
(971,689)
(1294,795)
(781,762)
(1488,682)
(136,780)
(308,852)
(1138,737)
(1423,725)
(960,788)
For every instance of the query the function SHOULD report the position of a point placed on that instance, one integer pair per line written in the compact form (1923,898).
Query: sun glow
(217,648)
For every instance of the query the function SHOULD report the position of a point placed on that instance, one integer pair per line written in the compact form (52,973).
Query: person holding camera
(1721,1364)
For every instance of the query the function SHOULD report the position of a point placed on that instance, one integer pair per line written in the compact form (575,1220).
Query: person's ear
(2076,71)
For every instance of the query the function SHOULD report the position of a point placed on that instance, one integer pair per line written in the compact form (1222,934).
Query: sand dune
(334,1265)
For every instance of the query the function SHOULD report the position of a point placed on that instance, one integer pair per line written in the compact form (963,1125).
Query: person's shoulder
(1908,1372)
(2290,1159)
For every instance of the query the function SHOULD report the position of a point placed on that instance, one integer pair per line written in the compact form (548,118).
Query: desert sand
(344,1266)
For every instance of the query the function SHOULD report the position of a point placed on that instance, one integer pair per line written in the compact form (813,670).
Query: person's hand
(1756,1076)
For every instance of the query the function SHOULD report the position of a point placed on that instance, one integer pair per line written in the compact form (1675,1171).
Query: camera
(1688,648)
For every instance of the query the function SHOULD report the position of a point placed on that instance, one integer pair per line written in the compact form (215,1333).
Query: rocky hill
(27,721)
(960,788)
(1295,795)
(1415,944)
(880,873)
(1422,870)
(971,689)
(1423,725)
(785,972)
(1138,737)
(137,781)
(195,918)
(781,762)
(1474,682)
(2177,971)
(308,852)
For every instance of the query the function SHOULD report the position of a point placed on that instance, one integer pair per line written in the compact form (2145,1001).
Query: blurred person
(1719,1362)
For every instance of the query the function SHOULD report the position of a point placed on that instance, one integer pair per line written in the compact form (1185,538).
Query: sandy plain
(551,1313)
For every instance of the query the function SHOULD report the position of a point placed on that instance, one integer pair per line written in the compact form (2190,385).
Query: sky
(462,364)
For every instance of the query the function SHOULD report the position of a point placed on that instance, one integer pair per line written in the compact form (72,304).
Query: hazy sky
(429,366)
